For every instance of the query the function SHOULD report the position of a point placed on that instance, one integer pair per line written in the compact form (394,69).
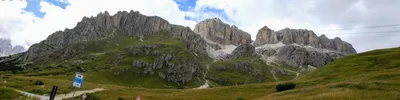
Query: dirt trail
(60,96)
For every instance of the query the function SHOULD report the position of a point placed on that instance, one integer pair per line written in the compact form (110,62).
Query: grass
(369,75)
(108,61)
(233,76)
(381,84)
(8,94)
(26,83)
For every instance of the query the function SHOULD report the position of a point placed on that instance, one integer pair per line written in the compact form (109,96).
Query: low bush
(240,98)
(120,98)
(285,86)
(91,96)
(39,82)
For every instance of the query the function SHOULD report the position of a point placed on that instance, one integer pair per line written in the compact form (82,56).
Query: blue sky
(183,5)
(34,6)
(189,6)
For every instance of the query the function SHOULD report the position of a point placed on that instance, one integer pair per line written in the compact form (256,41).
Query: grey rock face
(104,26)
(298,56)
(266,52)
(69,43)
(243,50)
(7,49)
(221,33)
(301,37)
(175,71)
(243,67)
(266,36)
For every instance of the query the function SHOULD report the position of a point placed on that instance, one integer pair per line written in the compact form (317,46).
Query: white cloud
(27,28)
(317,15)
(249,15)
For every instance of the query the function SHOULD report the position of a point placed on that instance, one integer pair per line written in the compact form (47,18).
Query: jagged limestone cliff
(222,33)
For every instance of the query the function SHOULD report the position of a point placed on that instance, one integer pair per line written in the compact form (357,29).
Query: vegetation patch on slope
(238,71)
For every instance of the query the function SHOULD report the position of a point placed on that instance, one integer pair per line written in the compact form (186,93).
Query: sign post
(77,83)
(53,92)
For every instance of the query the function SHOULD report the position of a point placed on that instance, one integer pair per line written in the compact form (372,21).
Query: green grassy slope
(355,77)
(225,72)
(369,75)
(365,76)
(109,61)
(373,65)
(8,94)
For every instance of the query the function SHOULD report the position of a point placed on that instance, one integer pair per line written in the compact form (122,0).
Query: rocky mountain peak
(222,33)
(302,37)
(266,36)
(265,28)
(102,26)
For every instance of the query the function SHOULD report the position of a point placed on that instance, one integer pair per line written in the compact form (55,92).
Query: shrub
(240,98)
(120,98)
(91,96)
(39,82)
(285,86)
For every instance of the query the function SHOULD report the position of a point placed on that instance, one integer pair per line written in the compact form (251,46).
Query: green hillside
(238,71)
(370,75)
(111,61)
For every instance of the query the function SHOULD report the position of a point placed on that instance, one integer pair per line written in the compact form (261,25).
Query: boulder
(243,51)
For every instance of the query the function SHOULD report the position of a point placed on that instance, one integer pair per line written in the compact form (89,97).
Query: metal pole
(73,94)
(53,92)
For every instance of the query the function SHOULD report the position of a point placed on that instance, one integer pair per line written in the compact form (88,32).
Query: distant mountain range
(7,49)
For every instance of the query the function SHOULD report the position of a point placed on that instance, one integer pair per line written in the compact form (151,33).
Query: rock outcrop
(175,69)
(221,33)
(302,37)
(298,56)
(266,36)
(243,51)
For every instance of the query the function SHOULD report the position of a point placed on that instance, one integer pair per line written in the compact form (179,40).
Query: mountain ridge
(130,45)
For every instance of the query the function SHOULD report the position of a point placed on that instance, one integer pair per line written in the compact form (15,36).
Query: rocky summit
(300,47)
(303,38)
(222,33)
(103,26)
(132,49)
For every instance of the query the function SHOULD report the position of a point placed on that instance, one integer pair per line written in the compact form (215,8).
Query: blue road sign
(78,80)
